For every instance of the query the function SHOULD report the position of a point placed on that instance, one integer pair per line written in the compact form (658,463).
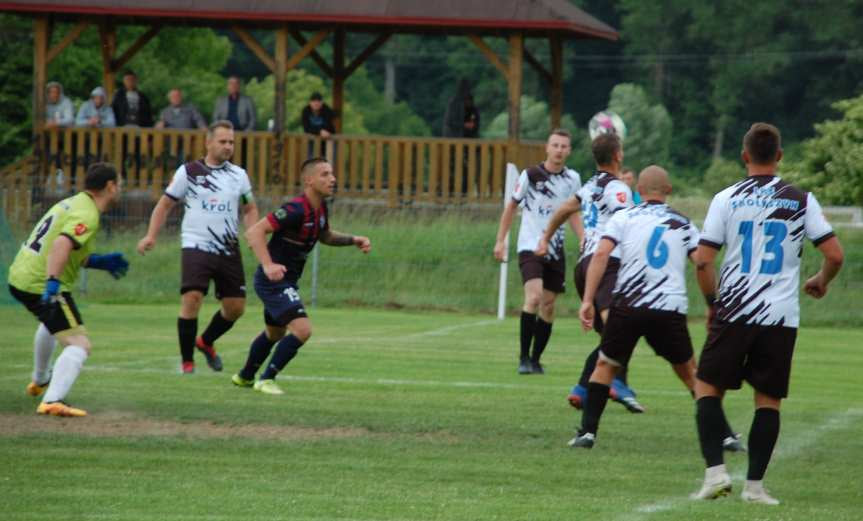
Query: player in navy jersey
(296,227)
(598,200)
(539,191)
(649,298)
(752,323)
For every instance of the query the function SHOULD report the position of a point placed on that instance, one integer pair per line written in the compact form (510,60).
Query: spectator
(461,118)
(131,106)
(471,117)
(628,176)
(96,112)
(318,121)
(236,108)
(318,117)
(59,111)
(179,114)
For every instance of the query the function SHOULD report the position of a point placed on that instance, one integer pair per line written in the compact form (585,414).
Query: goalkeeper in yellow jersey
(41,278)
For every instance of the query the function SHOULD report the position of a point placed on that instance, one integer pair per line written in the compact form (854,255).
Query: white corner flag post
(511,177)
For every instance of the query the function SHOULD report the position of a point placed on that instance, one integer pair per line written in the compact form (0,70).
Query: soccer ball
(606,122)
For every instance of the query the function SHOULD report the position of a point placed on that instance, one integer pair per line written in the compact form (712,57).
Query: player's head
(762,145)
(233,85)
(175,97)
(318,176)
(130,80)
(220,141)
(607,151)
(102,181)
(558,146)
(627,175)
(316,101)
(654,183)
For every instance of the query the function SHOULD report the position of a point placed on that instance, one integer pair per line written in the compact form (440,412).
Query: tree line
(691,78)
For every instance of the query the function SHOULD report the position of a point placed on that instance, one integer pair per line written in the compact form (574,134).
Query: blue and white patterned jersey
(654,242)
(762,221)
(600,197)
(540,193)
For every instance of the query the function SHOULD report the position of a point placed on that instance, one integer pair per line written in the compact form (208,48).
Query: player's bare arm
(503,230)
(816,286)
(250,214)
(577,226)
(705,273)
(157,221)
(568,209)
(59,256)
(595,269)
(256,236)
(334,238)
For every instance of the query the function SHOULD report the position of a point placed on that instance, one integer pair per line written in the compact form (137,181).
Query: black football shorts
(761,355)
(226,271)
(666,333)
(551,271)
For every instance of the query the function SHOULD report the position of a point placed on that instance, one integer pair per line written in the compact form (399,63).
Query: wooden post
(516,56)
(281,59)
(40,70)
(108,37)
(281,71)
(556,80)
(339,77)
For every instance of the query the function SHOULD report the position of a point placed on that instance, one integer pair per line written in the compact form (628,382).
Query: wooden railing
(16,195)
(392,170)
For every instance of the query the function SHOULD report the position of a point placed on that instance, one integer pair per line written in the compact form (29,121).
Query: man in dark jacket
(318,120)
(131,106)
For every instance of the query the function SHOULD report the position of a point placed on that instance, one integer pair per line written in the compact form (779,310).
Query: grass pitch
(399,416)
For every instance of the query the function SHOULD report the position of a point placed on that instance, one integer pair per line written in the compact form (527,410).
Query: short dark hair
(310,163)
(604,147)
(98,175)
(129,72)
(561,132)
(219,123)
(316,96)
(762,142)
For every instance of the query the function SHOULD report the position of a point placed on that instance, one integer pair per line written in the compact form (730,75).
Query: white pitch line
(788,447)
(444,330)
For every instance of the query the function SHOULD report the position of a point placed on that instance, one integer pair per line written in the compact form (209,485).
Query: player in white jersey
(752,324)
(598,200)
(538,192)
(649,298)
(213,191)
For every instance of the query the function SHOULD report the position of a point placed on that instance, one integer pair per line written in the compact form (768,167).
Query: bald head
(653,183)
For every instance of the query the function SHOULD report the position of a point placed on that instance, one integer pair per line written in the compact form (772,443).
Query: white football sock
(714,472)
(66,371)
(43,348)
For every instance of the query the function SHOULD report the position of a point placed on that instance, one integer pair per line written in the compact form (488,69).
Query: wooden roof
(405,16)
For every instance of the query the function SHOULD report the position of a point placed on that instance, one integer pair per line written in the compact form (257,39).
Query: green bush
(832,161)
(721,174)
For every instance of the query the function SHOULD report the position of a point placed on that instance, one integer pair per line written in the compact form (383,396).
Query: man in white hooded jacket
(96,112)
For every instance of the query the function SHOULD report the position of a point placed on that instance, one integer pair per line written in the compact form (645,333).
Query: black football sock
(762,438)
(187,330)
(219,325)
(597,398)
(540,338)
(528,325)
(589,366)
(286,349)
(258,353)
(711,421)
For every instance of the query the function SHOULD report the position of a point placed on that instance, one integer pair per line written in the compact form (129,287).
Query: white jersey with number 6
(762,221)
(654,242)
